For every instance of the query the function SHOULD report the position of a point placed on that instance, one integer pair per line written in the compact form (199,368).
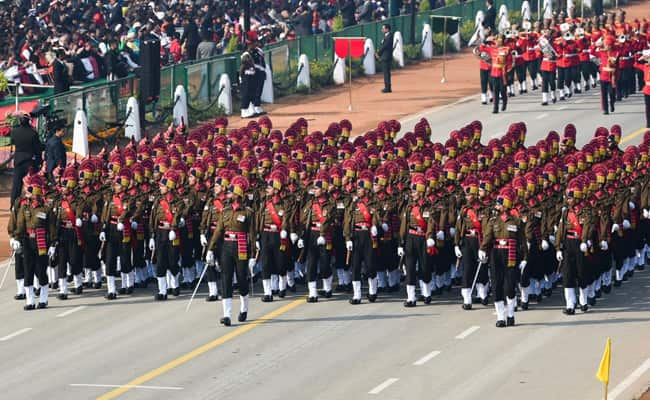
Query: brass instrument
(482,55)
(546,48)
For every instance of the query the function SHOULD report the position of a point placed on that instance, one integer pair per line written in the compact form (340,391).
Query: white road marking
(426,358)
(13,335)
(383,385)
(580,101)
(563,108)
(127,386)
(74,310)
(540,116)
(468,332)
(636,374)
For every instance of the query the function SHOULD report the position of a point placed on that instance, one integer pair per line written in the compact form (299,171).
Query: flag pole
(606,384)
(444,50)
(350,72)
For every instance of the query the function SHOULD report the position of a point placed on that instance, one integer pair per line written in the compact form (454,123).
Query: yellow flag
(603,370)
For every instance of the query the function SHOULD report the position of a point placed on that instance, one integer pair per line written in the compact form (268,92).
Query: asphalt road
(135,348)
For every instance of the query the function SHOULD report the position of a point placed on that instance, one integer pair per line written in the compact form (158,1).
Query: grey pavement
(85,347)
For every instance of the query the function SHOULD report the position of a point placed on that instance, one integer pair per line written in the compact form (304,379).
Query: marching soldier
(387,210)
(503,238)
(16,247)
(361,235)
(501,64)
(36,231)
(237,229)
(608,64)
(92,201)
(316,237)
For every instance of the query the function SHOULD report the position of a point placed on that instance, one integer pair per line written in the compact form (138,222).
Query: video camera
(53,121)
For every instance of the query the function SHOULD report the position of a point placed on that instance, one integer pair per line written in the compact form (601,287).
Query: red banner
(355,45)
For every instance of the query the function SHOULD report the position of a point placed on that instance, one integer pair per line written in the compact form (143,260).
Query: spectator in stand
(60,72)
(302,22)
(190,38)
(55,150)
(207,48)
(347,10)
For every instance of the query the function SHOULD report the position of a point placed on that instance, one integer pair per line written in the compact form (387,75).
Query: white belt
(503,242)
(232,236)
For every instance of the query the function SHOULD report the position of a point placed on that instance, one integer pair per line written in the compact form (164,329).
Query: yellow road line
(634,134)
(198,351)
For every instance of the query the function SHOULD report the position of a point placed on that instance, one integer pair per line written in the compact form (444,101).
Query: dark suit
(61,77)
(27,154)
(385,53)
(490,19)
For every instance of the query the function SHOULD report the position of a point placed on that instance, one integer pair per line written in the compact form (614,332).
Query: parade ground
(136,348)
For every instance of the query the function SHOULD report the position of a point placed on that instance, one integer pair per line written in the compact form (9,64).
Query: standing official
(385,55)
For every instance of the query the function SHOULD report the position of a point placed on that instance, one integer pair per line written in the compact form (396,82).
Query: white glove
(102,236)
(320,241)
(583,247)
(528,245)
(134,225)
(626,224)
(78,223)
(631,205)
(551,239)
(452,231)
(251,265)
(482,256)
(348,245)
(209,257)
(283,234)
(120,227)
(181,222)
(431,242)
(459,254)
(204,240)
(301,244)
(51,251)
(384,227)
(94,219)
(294,237)
(545,245)
(440,235)
(400,251)
(646,213)
(172,235)
(522,265)
(559,256)
(15,244)
(152,244)
(615,228)
(373,230)
(257,245)
(604,246)
(589,243)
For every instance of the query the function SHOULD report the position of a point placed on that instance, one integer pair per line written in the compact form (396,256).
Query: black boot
(242,316)
(510,321)
(225,321)
(409,304)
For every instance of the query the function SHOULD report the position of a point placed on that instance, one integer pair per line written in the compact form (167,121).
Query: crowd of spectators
(91,40)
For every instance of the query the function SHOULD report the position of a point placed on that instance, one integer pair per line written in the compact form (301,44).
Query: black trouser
(574,74)
(388,255)
(186,248)
(639,78)
(469,248)
(607,96)
(647,110)
(485,80)
(499,92)
(533,70)
(548,261)
(271,257)
(211,272)
(260,77)
(362,252)
(521,73)
(548,81)
(340,252)
(115,248)
(504,278)
(34,264)
(20,170)
(444,259)
(415,254)
(535,267)
(246,90)
(586,71)
(385,66)
(626,83)
(19,265)
(91,251)
(574,268)
(563,78)
(166,254)
(69,252)
(138,252)
(231,264)
(317,257)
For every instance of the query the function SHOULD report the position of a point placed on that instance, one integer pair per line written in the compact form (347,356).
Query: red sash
(77,230)
(41,241)
(170,218)
(573,219)
(217,204)
(278,222)
(242,244)
(366,215)
(474,218)
(321,219)
(126,233)
(418,218)
(512,252)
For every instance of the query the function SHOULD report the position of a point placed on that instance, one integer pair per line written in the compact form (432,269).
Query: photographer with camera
(55,149)
(27,153)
